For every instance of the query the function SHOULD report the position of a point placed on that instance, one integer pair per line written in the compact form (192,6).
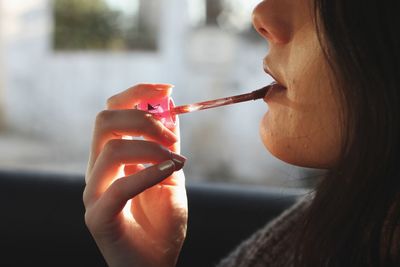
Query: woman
(338,62)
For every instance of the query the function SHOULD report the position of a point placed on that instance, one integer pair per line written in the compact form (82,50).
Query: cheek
(302,139)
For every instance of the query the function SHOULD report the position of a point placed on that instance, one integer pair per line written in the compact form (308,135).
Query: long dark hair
(354,219)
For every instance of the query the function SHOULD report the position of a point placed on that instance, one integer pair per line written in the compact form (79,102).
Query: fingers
(115,197)
(133,168)
(118,153)
(134,95)
(121,119)
(114,124)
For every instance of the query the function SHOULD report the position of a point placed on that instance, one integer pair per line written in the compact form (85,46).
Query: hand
(137,215)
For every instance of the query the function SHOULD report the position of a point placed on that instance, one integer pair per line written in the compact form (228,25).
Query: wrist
(157,257)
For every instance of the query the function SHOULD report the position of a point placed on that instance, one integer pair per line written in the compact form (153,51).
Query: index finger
(128,99)
(138,93)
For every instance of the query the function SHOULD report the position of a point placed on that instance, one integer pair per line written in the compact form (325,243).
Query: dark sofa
(42,220)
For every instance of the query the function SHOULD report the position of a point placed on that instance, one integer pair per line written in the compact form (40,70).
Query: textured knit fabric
(272,245)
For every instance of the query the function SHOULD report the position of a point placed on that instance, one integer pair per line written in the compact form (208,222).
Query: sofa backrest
(42,221)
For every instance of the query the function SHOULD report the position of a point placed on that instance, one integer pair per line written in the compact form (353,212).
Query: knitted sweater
(271,245)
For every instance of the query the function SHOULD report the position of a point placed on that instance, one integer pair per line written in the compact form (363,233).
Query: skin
(302,124)
(139,219)
(138,215)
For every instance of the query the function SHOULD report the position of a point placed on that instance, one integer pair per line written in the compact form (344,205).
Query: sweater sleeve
(271,245)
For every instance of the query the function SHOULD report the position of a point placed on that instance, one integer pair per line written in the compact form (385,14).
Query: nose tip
(270,23)
(256,20)
(259,27)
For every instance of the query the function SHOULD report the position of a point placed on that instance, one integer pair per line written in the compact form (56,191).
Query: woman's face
(302,124)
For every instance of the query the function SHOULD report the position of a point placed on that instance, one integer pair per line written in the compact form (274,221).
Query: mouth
(277,90)
(279,83)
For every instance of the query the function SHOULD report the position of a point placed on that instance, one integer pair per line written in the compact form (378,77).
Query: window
(105,25)
(52,84)
(229,15)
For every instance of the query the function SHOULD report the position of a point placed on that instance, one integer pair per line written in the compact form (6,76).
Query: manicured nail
(179,160)
(170,136)
(166,165)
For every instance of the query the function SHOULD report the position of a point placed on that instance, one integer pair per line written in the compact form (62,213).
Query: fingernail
(163,86)
(179,160)
(166,133)
(166,165)
(170,136)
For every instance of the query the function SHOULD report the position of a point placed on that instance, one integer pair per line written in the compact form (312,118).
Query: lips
(278,89)
(279,83)
(278,86)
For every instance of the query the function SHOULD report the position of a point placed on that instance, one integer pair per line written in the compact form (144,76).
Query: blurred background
(61,59)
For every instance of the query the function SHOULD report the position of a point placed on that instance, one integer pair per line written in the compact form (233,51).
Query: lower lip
(275,90)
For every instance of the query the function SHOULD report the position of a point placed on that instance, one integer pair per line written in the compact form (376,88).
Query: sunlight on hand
(127,213)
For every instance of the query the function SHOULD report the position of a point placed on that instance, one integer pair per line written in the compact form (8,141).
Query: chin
(294,153)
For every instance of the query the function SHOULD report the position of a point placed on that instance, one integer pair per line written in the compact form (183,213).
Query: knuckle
(116,190)
(90,220)
(85,198)
(111,101)
(88,216)
(113,148)
(103,117)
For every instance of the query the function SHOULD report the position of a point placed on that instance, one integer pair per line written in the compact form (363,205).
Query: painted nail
(179,160)
(166,165)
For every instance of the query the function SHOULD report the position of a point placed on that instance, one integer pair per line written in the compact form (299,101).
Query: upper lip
(271,73)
